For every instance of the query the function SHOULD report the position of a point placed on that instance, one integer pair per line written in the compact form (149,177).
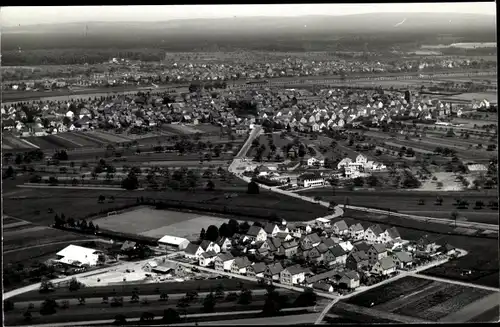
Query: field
(422,298)
(158,223)
(24,234)
(408,202)
(491,97)
(80,203)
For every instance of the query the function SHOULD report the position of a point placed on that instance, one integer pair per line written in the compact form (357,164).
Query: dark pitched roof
(225,256)
(128,245)
(351,274)
(289,245)
(296,269)
(259,267)
(359,256)
(337,250)
(191,248)
(328,242)
(403,256)
(242,262)
(341,225)
(379,248)
(269,227)
(376,229)
(393,233)
(322,276)
(356,227)
(314,238)
(322,248)
(386,263)
(205,244)
(362,246)
(275,268)
(253,231)
(208,254)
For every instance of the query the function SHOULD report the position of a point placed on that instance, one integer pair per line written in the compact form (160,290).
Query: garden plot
(158,223)
(388,292)
(441,303)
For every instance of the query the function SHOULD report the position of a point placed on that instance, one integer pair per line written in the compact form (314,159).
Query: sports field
(158,223)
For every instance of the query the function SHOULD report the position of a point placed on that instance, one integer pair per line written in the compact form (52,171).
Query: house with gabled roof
(207,245)
(193,251)
(349,279)
(340,228)
(402,259)
(240,265)
(373,234)
(310,240)
(357,261)
(292,275)
(224,244)
(256,270)
(356,232)
(288,249)
(255,233)
(384,266)
(273,271)
(376,252)
(335,255)
(391,235)
(207,258)
(223,262)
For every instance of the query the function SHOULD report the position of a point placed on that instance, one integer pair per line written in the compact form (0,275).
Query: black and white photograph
(249,164)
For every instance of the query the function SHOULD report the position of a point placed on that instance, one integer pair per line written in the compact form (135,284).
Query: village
(319,255)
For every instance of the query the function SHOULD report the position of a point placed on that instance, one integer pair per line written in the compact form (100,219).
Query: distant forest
(67,44)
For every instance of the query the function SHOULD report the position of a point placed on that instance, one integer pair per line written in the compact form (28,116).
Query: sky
(12,16)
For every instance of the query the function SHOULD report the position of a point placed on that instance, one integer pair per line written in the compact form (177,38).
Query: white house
(240,265)
(255,233)
(193,251)
(207,245)
(313,161)
(373,234)
(78,255)
(384,266)
(223,262)
(224,244)
(340,228)
(356,232)
(308,180)
(292,275)
(173,243)
(207,258)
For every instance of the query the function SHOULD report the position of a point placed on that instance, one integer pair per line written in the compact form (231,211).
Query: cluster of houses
(290,253)
(123,71)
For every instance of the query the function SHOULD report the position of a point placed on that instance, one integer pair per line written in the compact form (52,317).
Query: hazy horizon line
(245,17)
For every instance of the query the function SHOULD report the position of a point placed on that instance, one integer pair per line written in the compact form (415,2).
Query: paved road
(284,320)
(423,218)
(456,282)
(197,315)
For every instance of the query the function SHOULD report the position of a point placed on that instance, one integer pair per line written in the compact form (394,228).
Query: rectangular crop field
(388,292)
(439,304)
(42,143)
